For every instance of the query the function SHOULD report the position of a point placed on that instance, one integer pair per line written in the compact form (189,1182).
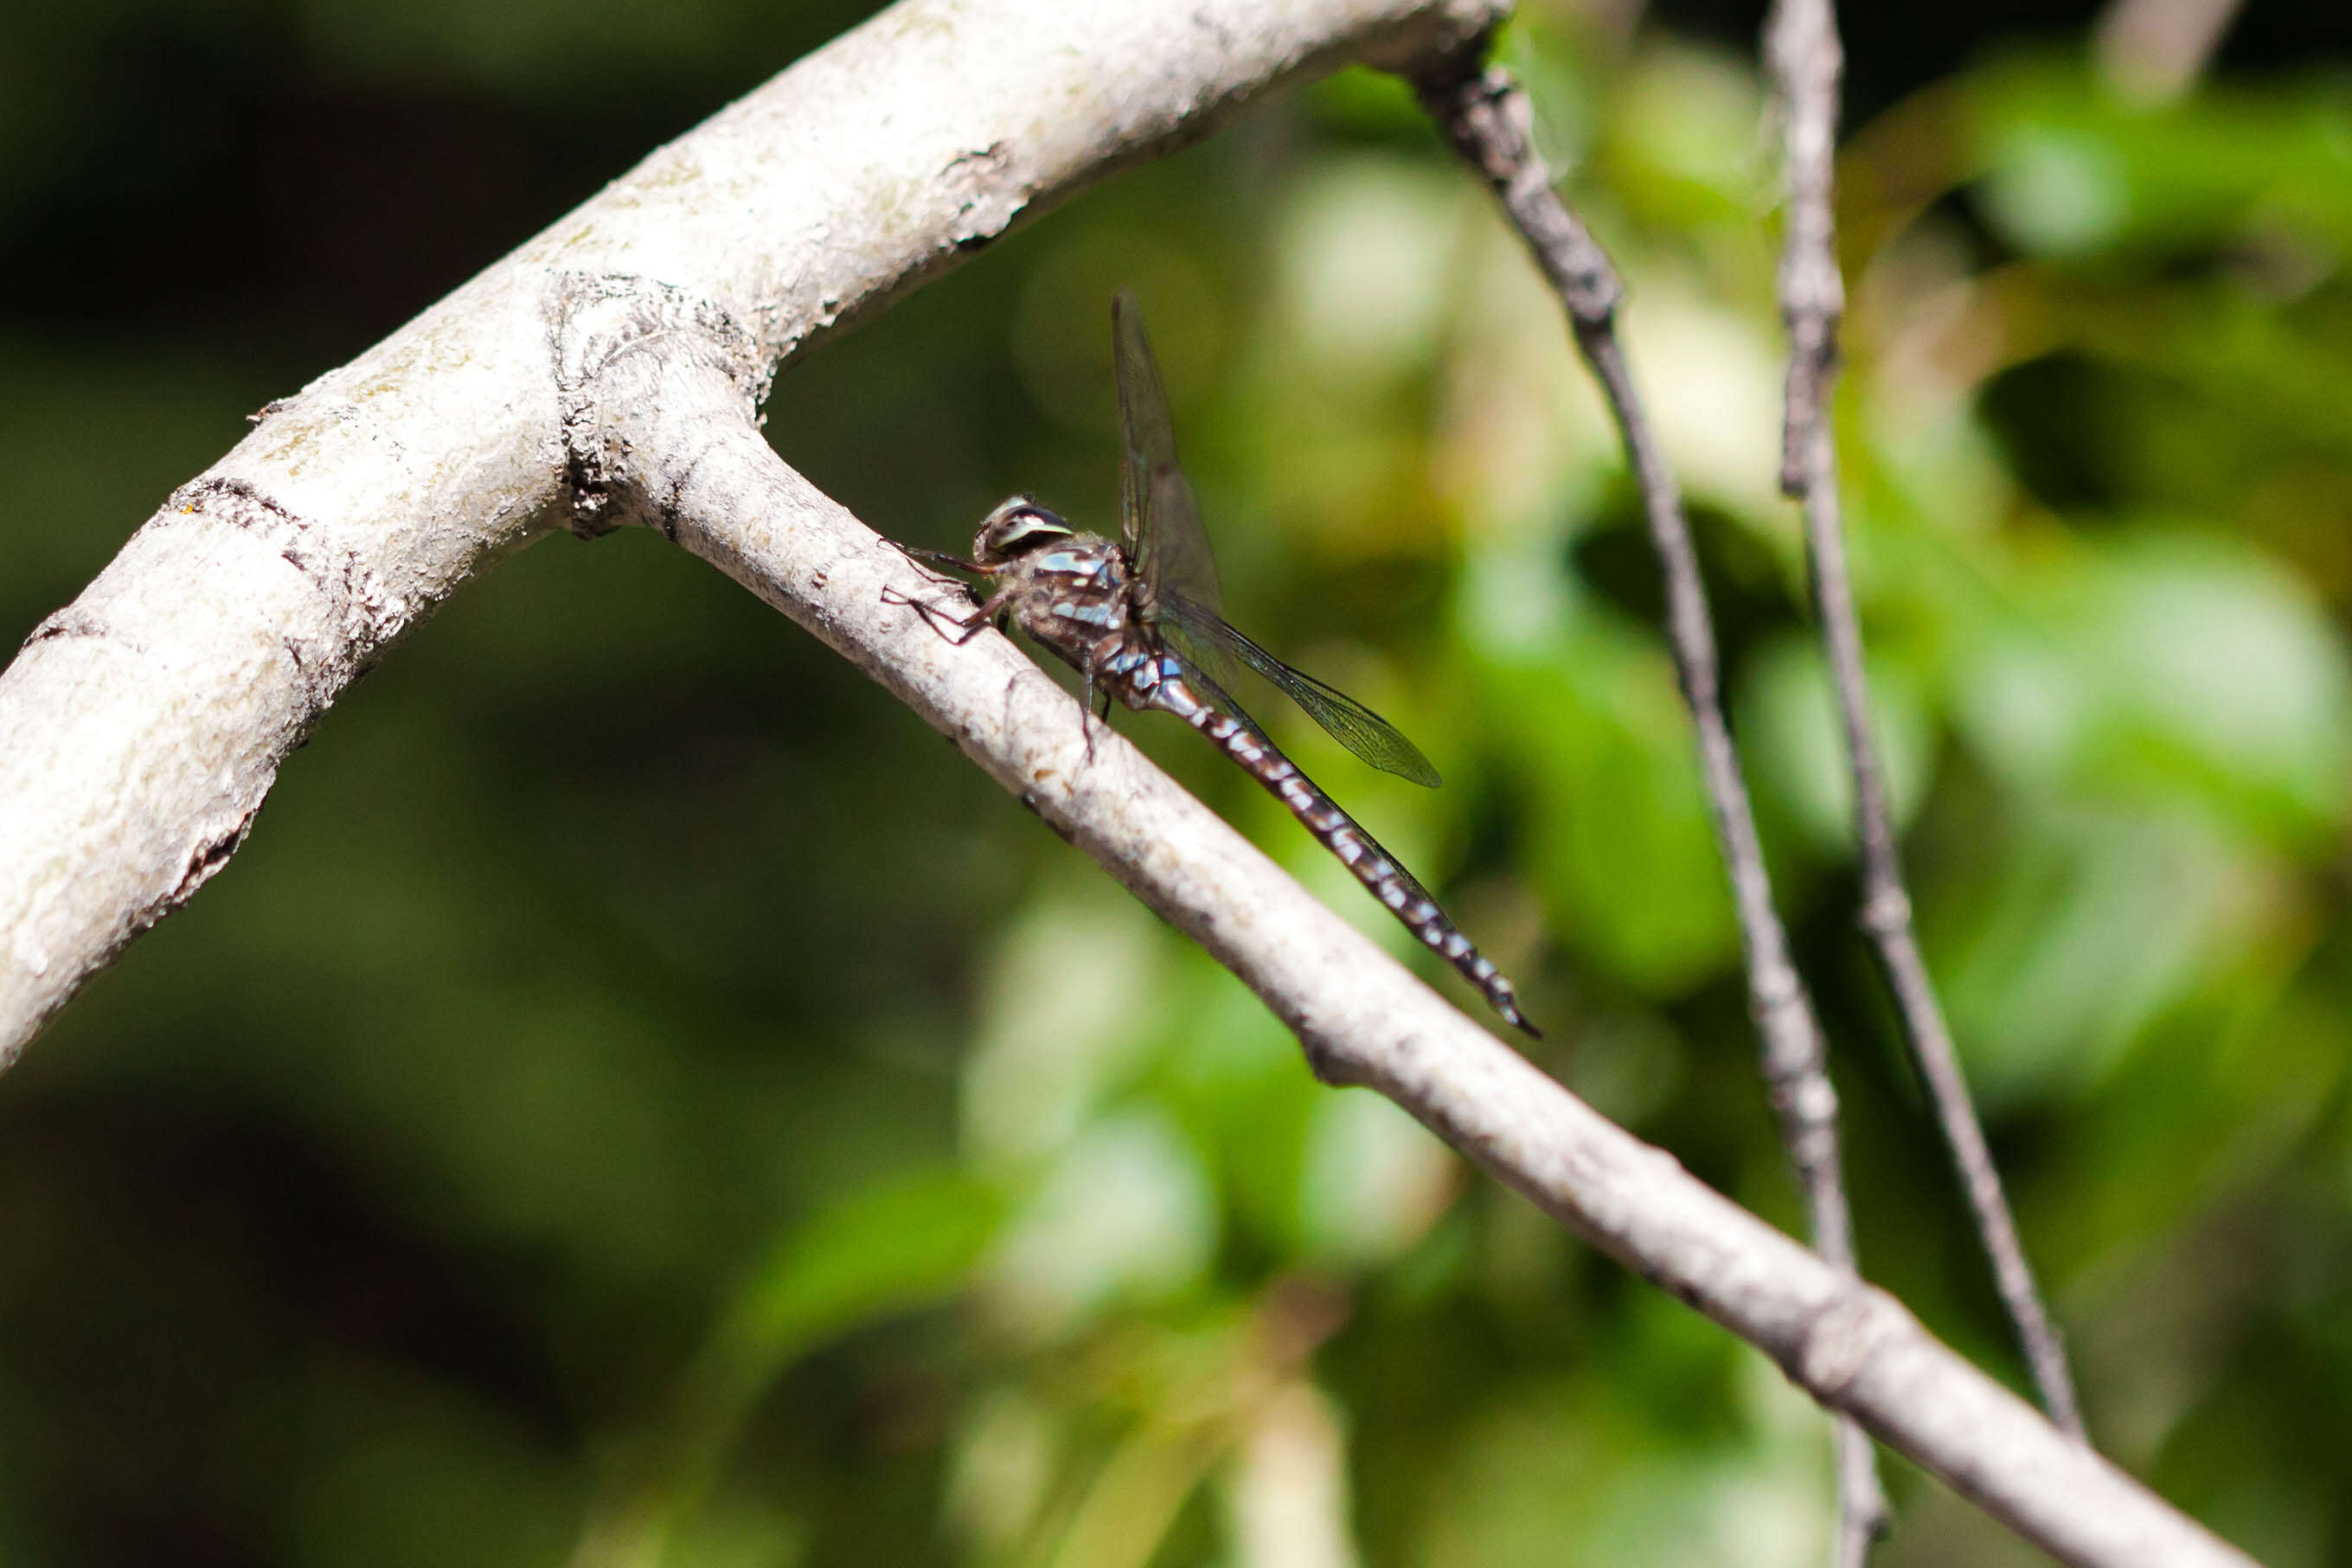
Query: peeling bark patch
(365,611)
(207,858)
(666,511)
(189,497)
(243,504)
(588,515)
(989,198)
(69,621)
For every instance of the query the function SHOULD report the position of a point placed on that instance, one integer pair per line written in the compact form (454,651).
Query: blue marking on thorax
(1068,563)
(1099,613)
(1090,573)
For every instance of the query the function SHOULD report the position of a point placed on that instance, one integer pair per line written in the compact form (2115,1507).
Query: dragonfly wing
(1182,566)
(1160,522)
(1204,639)
(1143,423)
(1202,652)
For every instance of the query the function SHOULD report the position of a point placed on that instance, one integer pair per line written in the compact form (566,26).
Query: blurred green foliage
(640,1098)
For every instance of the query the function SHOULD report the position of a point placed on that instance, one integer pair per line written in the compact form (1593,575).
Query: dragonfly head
(1016,527)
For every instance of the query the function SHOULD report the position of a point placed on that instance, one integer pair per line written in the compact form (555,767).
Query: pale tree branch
(609,372)
(1806,60)
(1485,115)
(663,428)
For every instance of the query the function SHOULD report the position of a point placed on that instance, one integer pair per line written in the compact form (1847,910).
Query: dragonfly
(1139,620)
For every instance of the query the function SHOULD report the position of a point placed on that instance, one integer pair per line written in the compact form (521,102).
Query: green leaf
(900,1246)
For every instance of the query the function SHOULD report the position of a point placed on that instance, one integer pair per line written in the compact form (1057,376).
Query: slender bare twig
(662,431)
(1806,60)
(1487,116)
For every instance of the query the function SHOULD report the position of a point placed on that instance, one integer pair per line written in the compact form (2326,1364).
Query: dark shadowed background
(641,1097)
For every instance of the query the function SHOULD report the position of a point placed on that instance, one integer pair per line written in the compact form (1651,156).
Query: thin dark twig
(1801,44)
(1485,114)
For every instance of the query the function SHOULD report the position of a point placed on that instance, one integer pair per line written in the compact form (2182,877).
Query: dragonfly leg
(1097,701)
(1086,708)
(933,557)
(957,629)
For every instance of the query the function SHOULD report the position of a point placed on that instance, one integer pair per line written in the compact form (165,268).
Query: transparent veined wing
(1203,638)
(1159,520)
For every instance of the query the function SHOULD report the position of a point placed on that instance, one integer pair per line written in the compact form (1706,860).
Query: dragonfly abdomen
(1357,849)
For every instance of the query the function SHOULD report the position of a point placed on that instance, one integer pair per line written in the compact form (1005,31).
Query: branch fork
(1807,62)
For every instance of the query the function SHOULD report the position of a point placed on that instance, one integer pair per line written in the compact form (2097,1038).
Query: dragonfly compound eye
(1019,525)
